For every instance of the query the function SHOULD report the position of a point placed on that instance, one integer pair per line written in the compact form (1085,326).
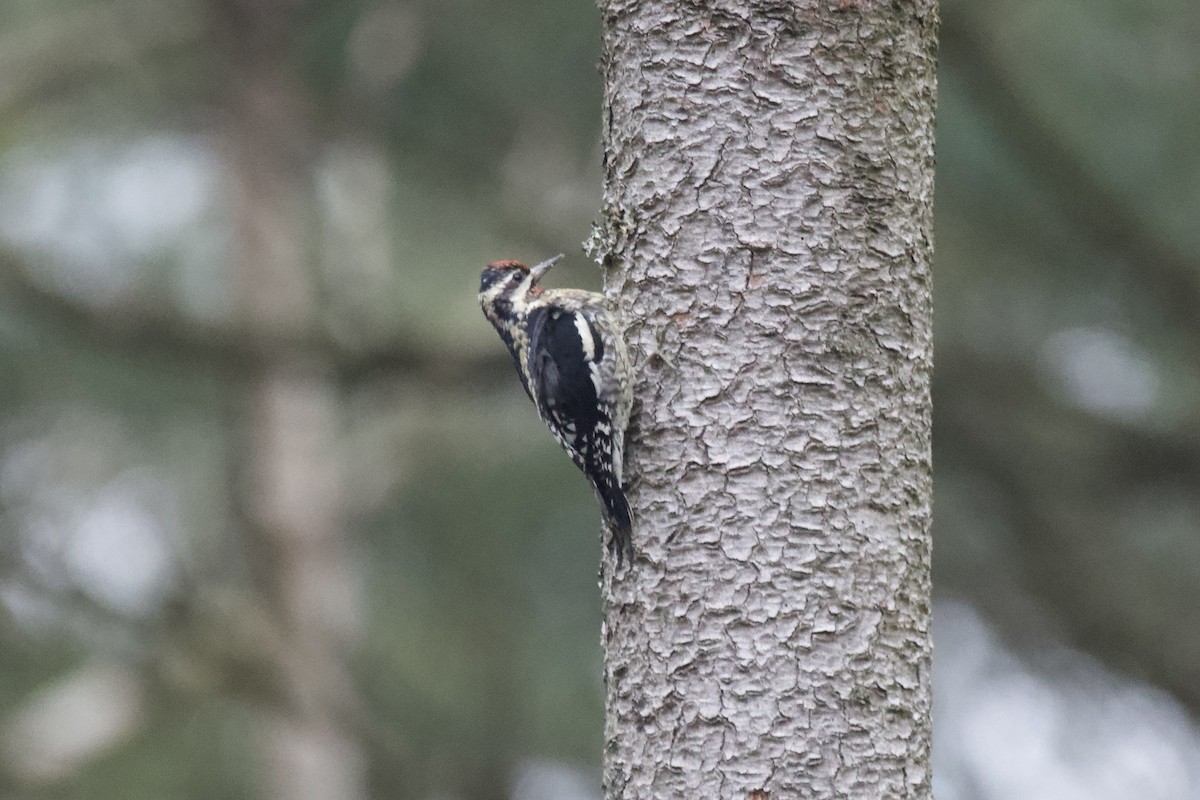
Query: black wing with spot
(563,389)
(562,376)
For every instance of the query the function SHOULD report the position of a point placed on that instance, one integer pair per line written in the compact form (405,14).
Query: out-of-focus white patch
(118,551)
(1102,371)
(81,522)
(72,721)
(554,780)
(1079,731)
(98,212)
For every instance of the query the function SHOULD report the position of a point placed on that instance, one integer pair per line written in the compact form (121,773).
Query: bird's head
(511,280)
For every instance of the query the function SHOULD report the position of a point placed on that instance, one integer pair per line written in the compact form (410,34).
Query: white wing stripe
(597,379)
(585,336)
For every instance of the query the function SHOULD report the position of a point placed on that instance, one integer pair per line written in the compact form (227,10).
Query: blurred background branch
(231,351)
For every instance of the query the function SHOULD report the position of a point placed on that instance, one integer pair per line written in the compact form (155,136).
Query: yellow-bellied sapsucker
(572,362)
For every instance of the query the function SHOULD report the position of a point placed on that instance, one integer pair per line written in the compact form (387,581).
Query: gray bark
(767,226)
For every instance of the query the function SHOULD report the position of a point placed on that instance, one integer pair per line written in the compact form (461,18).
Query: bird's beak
(544,267)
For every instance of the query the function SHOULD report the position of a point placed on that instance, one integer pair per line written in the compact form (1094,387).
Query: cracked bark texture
(767,233)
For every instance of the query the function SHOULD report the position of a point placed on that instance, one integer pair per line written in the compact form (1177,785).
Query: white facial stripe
(585,336)
(520,295)
(516,292)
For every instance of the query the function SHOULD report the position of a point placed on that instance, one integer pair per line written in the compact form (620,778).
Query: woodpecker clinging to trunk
(568,350)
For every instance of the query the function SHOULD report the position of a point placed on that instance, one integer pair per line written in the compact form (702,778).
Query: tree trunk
(767,225)
(290,493)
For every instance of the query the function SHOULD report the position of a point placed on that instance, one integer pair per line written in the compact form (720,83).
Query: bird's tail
(618,520)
